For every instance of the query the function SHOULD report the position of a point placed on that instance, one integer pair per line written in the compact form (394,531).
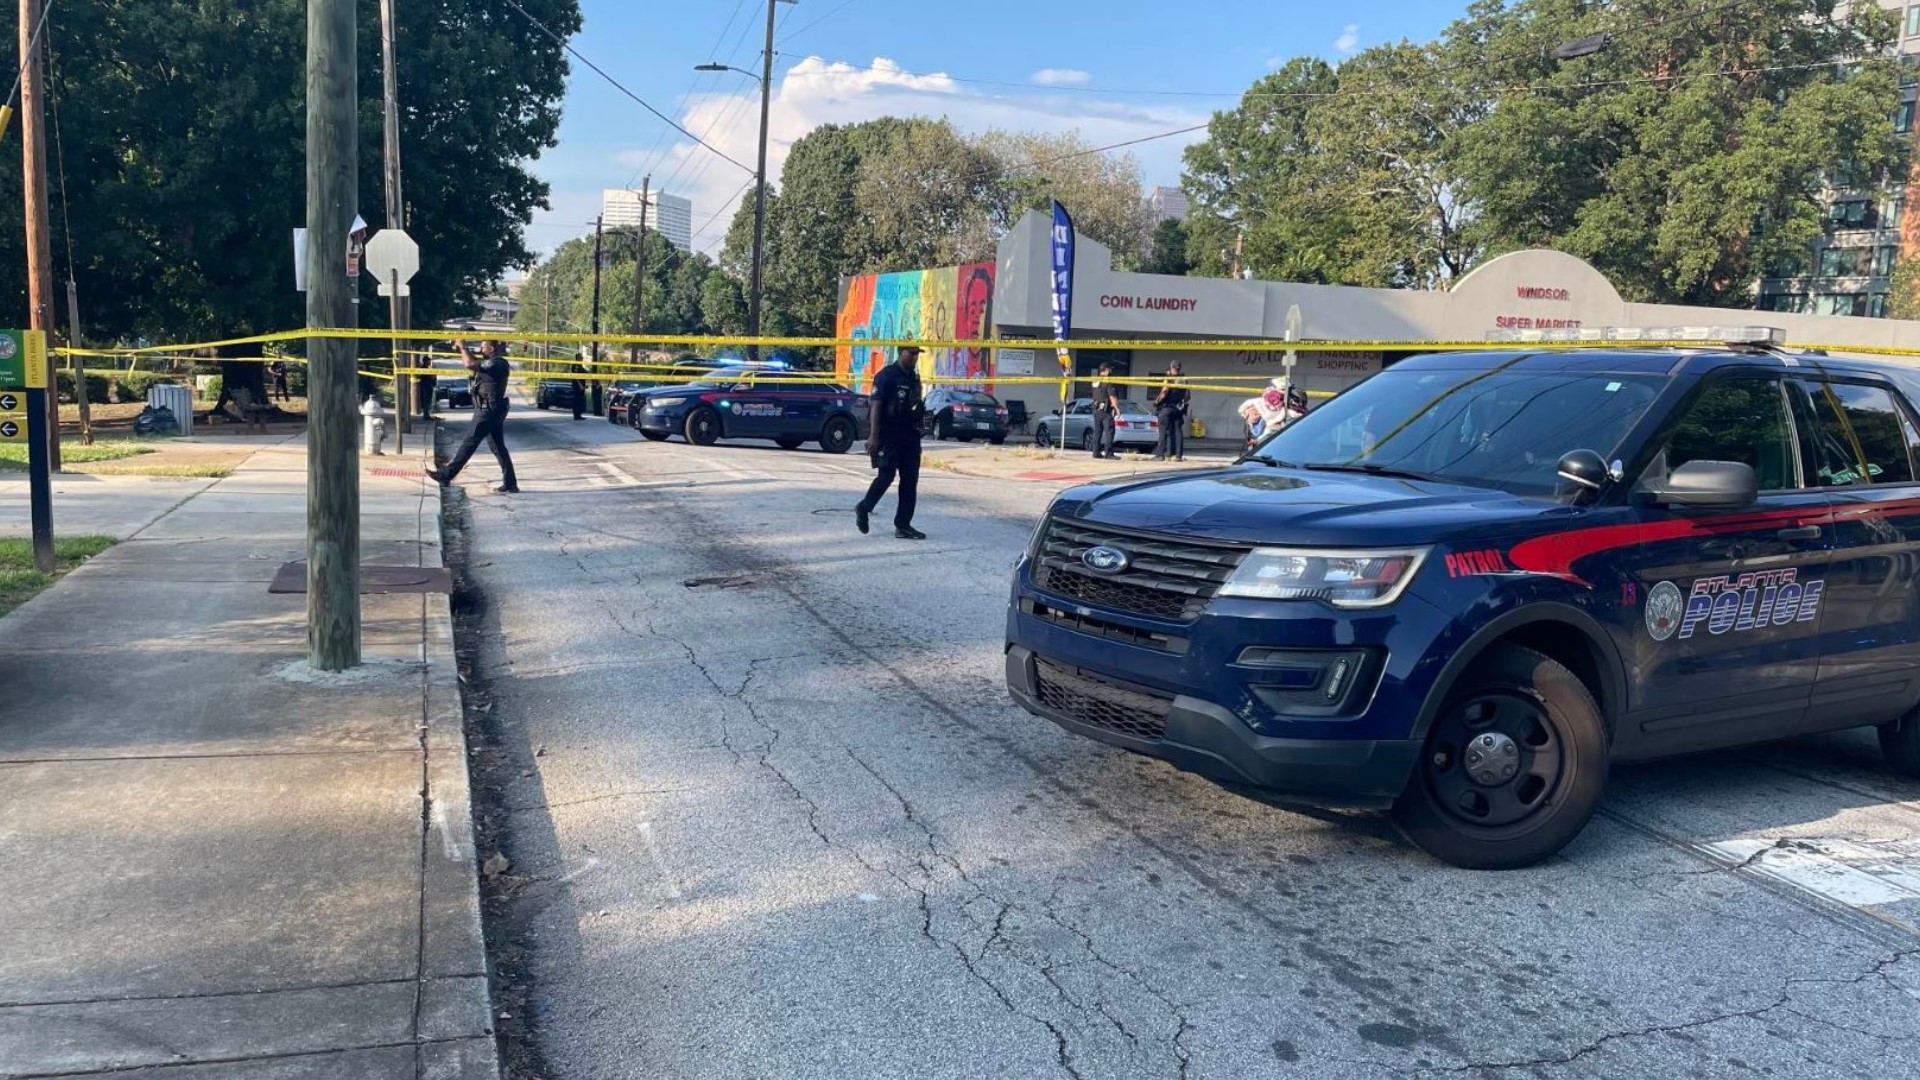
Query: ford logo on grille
(1105,559)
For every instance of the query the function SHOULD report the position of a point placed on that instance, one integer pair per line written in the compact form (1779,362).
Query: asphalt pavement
(771,814)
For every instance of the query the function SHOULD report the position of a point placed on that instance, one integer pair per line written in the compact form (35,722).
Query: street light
(759,176)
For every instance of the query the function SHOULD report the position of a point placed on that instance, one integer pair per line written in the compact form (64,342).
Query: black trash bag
(156,420)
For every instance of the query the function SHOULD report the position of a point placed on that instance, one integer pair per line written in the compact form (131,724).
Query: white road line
(1845,871)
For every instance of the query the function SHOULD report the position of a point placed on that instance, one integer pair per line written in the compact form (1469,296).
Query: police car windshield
(1494,428)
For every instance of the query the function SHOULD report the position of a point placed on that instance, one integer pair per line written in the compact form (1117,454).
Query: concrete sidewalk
(216,860)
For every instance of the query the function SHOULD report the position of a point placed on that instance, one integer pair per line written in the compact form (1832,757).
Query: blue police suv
(1462,588)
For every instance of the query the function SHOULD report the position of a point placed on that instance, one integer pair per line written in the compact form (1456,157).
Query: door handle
(1801,532)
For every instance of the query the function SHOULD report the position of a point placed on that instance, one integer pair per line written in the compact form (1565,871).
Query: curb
(453,948)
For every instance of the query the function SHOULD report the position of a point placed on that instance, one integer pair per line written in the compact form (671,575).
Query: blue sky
(991,63)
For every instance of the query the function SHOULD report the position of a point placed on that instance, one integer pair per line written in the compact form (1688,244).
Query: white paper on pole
(300,260)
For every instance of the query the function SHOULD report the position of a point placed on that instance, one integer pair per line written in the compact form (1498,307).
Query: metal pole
(396,212)
(333,464)
(640,270)
(33,147)
(579,385)
(79,364)
(399,381)
(760,192)
(39,482)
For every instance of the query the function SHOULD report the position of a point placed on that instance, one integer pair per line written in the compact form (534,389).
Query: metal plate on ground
(292,578)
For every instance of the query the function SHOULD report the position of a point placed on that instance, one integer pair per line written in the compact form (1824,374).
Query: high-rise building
(669,215)
(1847,270)
(1164,203)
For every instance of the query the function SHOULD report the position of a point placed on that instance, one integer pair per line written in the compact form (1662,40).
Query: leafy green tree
(1688,156)
(1167,251)
(182,137)
(675,283)
(1102,191)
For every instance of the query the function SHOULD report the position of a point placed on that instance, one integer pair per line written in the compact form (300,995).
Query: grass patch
(178,472)
(14,455)
(1034,453)
(19,580)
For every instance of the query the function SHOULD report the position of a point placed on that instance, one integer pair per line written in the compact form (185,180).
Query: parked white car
(1135,426)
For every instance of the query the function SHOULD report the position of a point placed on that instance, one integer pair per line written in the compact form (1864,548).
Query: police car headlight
(1344,579)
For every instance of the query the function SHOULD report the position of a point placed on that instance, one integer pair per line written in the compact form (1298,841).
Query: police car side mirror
(1713,484)
(1585,469)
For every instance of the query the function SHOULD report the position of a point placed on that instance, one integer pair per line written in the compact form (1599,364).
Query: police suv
(761,402)
(1463,587)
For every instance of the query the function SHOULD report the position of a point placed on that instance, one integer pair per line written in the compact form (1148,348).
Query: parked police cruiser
(1465,586)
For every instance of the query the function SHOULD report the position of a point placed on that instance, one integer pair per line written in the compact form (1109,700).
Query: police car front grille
(1101,704)
(1167,578)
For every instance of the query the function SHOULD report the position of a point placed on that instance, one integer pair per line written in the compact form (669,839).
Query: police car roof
(1648,361)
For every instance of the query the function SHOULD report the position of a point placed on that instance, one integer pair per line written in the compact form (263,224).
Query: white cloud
(815,92)
(1348,40)
(1062,77)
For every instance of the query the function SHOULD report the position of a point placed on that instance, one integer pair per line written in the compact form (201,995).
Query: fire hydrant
(373,426)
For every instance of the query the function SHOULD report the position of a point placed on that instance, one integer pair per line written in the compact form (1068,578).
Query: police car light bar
(1764,336)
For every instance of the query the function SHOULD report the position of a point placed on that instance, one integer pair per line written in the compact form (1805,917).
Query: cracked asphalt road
(774,816)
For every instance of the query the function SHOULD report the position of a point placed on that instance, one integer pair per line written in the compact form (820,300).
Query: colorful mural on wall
(928,305)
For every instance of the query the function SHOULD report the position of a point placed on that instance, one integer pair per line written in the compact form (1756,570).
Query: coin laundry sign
(1736,604)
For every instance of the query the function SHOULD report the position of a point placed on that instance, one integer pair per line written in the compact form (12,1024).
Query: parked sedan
(732,403)
(553,393)
(965,415)
(1135,426)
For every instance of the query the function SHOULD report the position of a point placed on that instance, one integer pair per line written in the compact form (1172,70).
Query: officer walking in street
(893,442)
(488,372)
(1171,406)
(1106,403)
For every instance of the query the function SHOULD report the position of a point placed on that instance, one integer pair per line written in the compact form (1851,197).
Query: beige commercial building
(1518,293)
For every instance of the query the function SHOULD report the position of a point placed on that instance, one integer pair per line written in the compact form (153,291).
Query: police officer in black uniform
(1171,406)
(1106,406)
(488,371)
(893,442)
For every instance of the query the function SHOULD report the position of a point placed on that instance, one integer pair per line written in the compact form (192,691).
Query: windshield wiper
(1271,463)
(1370,470)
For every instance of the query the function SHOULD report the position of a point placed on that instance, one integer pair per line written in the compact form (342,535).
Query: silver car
(1134,426)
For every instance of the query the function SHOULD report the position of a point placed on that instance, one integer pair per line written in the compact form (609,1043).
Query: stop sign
(392,254)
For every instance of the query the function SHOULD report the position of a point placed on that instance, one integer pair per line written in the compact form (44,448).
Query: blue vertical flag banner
(1062,283)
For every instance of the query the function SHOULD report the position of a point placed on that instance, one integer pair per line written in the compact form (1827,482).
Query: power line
(842,6)
(651,158)
(615,83)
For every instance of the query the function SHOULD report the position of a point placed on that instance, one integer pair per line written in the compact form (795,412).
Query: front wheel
(1041,436)
(1900,744)
(837,437)
(1513,768)
(703,427)
(654,436)
(997,440)
(540,403)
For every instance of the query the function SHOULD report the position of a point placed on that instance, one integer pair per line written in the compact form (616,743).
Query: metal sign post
(394,257)
(23,382)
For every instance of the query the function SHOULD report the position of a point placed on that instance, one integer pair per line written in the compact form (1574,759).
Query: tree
(1167,253)
(1101,191)
(182,135)
(676,282)
(1690,155)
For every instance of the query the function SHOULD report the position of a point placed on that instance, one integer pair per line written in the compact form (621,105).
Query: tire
(541,404)
(1548,722)
(1900,744)
(703,426)
(838,435)
(997,440)
(1086,441)
(1041,437)
(943,427)
(654,436)
(789,442)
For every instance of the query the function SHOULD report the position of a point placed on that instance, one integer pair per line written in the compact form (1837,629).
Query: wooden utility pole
(333,463)
(579,385)
(640,272)
(33,145)
(402,316)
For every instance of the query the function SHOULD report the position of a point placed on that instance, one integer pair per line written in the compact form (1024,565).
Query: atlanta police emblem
(1665,606)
